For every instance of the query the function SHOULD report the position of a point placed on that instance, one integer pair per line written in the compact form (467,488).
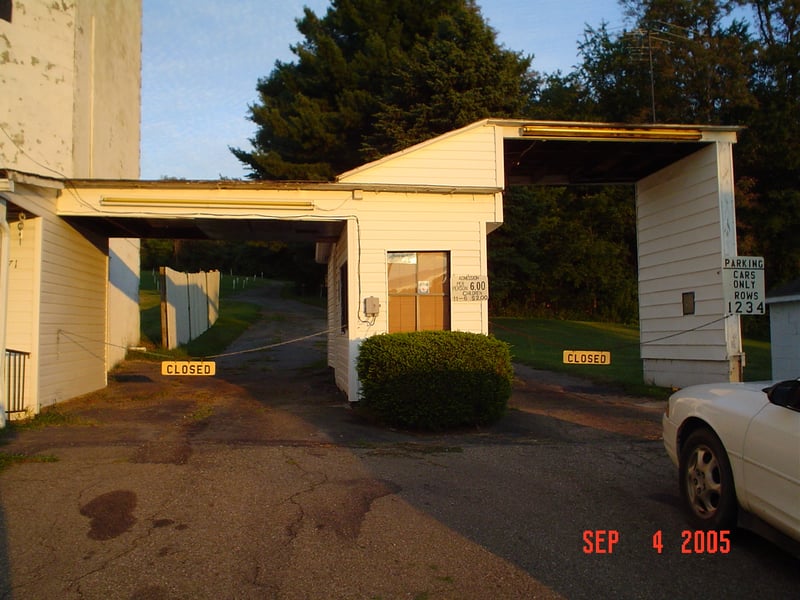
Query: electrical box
(372,306)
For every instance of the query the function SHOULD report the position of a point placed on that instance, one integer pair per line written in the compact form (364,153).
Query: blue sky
(201,60)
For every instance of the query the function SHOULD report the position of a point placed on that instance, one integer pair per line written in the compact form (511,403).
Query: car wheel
(706,482)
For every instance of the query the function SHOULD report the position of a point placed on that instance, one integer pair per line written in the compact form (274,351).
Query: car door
(772,461)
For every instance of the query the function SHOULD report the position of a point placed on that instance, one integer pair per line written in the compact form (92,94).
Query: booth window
(419,291)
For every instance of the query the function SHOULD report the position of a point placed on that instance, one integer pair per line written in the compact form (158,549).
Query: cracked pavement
(261,483)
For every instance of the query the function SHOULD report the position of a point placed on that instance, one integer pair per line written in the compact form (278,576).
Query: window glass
(419,291)
(402,272)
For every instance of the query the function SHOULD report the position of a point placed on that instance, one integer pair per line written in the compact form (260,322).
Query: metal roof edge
(615,125)
(277,186)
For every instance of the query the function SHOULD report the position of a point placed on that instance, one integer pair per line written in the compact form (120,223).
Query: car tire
(706,482)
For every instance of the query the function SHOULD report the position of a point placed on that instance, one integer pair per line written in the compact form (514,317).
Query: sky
(201,61)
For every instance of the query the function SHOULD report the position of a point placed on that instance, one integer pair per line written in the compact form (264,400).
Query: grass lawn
(540,344)
(234,318)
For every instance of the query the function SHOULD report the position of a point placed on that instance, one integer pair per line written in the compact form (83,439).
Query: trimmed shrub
(434,380)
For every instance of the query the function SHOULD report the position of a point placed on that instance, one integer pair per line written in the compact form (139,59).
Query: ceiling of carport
(292,230)
(596,162)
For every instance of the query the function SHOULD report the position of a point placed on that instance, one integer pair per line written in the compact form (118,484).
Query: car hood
(734,398)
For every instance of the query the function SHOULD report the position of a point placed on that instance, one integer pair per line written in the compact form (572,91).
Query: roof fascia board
(623,132)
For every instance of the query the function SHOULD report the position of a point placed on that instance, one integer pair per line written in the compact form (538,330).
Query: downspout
(5,246)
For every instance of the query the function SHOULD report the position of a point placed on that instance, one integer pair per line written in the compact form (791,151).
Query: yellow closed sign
(587,357)
(188,367)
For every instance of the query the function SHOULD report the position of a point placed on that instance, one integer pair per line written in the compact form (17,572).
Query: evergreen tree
(375,76)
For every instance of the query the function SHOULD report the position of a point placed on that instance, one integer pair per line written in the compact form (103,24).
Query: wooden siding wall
(23,298)
(464,158)
(683,230)
(396,222)
(423,222)
(784,324)
(338,340)
(69,353)
(190,304)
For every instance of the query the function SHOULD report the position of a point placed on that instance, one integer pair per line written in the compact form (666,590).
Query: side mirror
(785,393)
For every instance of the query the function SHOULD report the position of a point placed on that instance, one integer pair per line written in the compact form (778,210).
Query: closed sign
(188,367)
(587,357)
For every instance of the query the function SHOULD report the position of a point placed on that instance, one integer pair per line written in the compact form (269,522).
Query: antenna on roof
(646,39)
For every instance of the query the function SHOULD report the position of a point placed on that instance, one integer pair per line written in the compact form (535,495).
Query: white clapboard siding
(339,333)
(213,279)
(68,357)
(449,223)
(397,222)
(22,303)
(23,285)
(175,308)
(784,323)
(188,304)
(466,157)
(681,242)
(198,304)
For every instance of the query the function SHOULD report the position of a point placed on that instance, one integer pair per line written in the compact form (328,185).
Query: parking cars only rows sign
(743,282)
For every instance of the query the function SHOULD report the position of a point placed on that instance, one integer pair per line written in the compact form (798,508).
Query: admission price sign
(743,282)
(469,288)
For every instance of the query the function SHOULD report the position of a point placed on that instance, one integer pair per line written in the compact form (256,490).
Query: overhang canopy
(559,153)
(482,158)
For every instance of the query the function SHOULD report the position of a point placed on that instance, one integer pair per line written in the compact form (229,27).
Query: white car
(737,448)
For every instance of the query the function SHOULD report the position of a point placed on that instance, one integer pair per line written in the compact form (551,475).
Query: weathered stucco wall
(71,74)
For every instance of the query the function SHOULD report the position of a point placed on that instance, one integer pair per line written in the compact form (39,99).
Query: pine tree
(375,76)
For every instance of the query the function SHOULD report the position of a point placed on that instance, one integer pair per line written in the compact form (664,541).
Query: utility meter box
(372,306)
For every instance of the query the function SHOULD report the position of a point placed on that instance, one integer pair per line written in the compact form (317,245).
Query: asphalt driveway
(262,483)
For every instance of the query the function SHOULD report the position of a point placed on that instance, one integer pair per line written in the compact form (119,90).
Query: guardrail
(15,365)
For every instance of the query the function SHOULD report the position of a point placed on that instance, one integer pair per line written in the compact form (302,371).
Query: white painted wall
(339,339)
(22,301)
(123,318)
(67,276)
(190,304)
(396,222)
(685,225)
(72,71)
(75,71)
(466,157)
(784,324)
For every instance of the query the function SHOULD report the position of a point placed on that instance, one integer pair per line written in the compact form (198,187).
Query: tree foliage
(768,159)
(713,62)
(373,77)
(275,260)
(569,253)
(684,61)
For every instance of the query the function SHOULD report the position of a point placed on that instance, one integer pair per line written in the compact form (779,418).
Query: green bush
(434,380)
